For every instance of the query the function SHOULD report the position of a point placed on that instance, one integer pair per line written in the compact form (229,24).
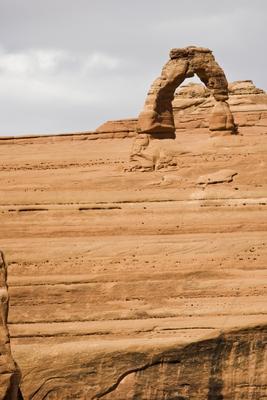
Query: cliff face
(230,366)
(138,285)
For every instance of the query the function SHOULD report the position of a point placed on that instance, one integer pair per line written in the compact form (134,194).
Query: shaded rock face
(232,366)
(157,115)
(8,371)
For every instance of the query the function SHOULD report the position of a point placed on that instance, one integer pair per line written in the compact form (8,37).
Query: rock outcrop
(193,105)
(118,129)
(9,376)
(157,115)
(244,88)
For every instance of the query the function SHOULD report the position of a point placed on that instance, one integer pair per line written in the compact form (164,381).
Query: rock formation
(157,115)
(145,286)
(193,104)
(192,107)
(156,120)
(8,372)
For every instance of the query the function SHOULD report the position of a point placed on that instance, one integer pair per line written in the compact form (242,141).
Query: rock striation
(212,369)
(231,365)
(157,115)
(9,376)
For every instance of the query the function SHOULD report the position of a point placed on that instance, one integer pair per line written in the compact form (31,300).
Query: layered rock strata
(9,376)
(137,284)
(145,286)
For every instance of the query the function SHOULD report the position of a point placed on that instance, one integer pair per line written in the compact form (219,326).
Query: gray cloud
(70,65)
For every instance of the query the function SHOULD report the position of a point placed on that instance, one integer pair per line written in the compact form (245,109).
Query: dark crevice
(31,209)
(99,208)
(134,370)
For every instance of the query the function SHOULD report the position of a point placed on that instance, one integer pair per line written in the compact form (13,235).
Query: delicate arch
(157,114)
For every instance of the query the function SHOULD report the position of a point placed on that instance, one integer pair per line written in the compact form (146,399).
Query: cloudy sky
(70,65)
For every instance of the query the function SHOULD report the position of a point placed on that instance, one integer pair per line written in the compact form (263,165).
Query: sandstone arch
(157,115)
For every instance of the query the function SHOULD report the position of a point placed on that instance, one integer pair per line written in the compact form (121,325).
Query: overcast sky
(70,65)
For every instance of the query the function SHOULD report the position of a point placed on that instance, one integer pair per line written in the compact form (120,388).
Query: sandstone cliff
(113,275)
(139,285)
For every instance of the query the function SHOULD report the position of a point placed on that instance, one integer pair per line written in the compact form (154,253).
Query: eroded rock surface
(230,365)
(213,369)
(9,376)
